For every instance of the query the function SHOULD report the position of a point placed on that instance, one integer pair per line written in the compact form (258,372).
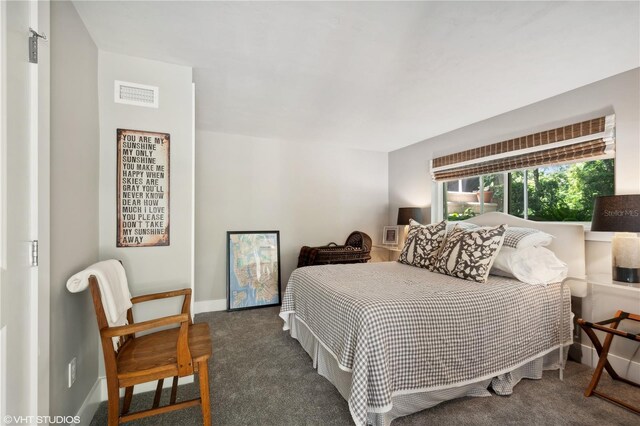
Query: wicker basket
(357,249)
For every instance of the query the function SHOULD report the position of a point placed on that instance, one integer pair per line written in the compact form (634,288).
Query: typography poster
(143,189)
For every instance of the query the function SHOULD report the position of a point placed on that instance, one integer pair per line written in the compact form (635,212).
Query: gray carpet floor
(259,375)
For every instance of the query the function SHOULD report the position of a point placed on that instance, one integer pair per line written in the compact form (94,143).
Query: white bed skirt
(409,403)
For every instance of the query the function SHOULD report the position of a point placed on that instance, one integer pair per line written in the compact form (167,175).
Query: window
(552,175)
(553,193)
(466,198)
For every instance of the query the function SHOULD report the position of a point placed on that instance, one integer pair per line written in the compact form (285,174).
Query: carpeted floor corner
(261,376)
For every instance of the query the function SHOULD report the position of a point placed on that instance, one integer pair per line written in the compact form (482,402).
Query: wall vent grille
(136,94)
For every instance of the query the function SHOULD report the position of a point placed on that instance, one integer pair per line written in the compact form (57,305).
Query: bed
(396,339)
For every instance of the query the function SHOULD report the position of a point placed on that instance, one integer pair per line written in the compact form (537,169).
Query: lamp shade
(616,213)
(406,213)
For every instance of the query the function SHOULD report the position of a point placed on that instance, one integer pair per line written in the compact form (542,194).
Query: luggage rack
(609,326)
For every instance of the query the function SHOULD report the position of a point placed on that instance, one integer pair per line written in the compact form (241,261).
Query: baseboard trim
(90,404)
(628,369)
(214,305)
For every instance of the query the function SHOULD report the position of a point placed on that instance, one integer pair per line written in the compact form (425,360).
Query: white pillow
(531,265)
(518,237)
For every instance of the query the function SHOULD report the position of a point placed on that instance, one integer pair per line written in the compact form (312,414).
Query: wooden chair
(176,352)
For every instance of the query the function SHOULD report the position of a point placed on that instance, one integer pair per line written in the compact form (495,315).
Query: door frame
(3,192)
(40,175)
(39,143)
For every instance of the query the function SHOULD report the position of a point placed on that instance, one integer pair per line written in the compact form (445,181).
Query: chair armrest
(124,330)
(162,295)
(186,304)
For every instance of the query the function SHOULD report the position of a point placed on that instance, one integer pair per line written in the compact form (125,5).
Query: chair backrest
(110,353)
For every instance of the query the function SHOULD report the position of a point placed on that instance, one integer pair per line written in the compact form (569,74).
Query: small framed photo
(390,235)
(253,269)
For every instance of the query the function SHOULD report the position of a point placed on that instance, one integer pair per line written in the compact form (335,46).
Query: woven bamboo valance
(591,139)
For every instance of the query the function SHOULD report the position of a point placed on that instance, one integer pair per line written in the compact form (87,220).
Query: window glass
(516,193)
(461,200)
(546,194)
(556,193)
(567,192)
(493,192)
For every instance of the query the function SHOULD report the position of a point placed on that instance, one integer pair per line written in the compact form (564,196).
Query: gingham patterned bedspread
(400,329)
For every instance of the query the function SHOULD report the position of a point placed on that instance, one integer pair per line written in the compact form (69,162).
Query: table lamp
(406,213)
(620,214)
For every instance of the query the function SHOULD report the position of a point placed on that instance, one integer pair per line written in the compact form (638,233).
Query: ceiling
(370,75)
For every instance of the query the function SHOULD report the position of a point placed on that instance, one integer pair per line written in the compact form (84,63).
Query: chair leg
(174,390)
(113,397)
(203,373)
(128,393)
(156,398)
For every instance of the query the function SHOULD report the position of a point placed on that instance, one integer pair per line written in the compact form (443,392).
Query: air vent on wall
(136,94)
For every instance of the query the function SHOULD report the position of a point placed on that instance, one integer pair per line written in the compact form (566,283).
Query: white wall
(410,181)
(311,194)
(74,205)
(409,172)
(149,269)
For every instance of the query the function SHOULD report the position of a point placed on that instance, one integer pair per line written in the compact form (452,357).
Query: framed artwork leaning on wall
(253,269)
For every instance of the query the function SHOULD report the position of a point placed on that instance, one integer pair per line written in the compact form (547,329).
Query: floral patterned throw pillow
(469,254)
(423,244)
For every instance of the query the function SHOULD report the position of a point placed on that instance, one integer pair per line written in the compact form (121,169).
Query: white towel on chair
(114,289)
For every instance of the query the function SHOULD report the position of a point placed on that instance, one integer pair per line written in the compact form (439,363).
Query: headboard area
(568,243)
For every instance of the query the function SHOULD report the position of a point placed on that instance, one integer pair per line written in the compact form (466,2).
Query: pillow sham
(517,237)
(462,225)
(531,265)
(423,244)
(469,254)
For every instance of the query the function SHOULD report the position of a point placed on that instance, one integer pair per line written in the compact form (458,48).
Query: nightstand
(381,253)
(605,296)
(601,298)
(605,280)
